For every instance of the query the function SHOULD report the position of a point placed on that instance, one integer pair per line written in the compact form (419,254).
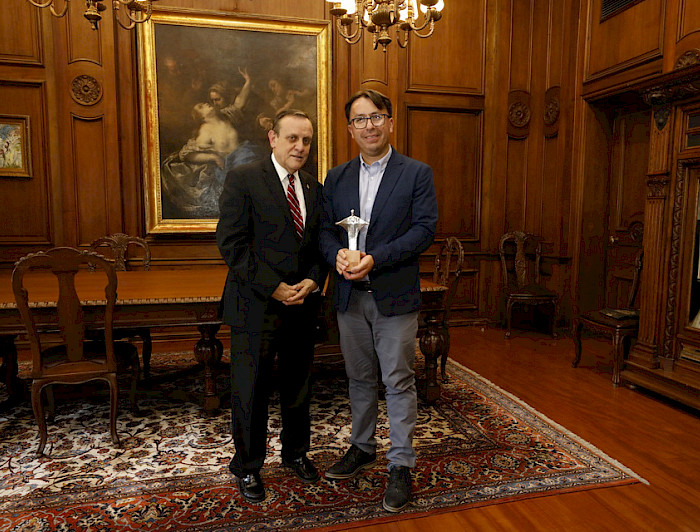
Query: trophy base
(353,256)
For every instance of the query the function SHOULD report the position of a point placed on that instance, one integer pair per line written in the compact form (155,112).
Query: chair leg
(146,353)
(113,406)
(618,356)
(509,317)
(51,401)
(577,326)
(443,357)
(553,320)
(135,374)
(38,409)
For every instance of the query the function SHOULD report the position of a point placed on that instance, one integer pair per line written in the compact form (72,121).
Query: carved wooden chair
(620,324)
(74,359)
(448,267)
(117,248)
(521,255)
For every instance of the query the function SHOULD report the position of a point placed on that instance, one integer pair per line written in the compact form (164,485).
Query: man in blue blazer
(268,235)
(378,299)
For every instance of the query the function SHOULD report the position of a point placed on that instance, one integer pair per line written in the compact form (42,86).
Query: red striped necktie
(294,208)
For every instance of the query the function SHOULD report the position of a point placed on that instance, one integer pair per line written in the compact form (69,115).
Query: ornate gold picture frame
(15,154)
(210,84)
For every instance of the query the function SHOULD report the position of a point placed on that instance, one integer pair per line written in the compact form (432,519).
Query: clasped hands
(294,294)
(356,272)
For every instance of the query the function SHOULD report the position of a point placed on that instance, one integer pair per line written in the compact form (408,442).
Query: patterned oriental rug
(477,445)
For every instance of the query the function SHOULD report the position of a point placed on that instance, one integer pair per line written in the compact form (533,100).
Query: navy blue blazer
(403,224)
(255,235)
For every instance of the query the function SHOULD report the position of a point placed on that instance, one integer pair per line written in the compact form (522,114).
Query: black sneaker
(354,461)
(398,491)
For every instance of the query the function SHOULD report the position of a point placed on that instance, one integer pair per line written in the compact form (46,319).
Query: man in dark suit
(268,235)
(378,299)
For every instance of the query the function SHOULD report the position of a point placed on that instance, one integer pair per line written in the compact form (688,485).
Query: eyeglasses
(377,119)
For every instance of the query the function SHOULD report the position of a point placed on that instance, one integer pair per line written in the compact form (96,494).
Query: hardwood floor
(659,441)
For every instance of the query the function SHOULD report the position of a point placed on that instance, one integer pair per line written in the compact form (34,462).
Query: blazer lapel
(350,192)
(272,181)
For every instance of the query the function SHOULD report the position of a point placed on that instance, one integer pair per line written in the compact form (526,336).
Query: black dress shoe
(303,468)
(354,461)
(251,487)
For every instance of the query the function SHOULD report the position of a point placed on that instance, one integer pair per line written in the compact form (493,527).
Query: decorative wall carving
(673,265)
(519,114)
(689,58)
(661,115)
(85,90)
(657,185)
(552,107)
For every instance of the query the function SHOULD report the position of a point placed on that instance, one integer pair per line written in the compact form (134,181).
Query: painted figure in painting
(10,146)
(193,178)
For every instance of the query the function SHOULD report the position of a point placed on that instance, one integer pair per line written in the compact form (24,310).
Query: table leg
(433,344)
(9,371)
(208,351)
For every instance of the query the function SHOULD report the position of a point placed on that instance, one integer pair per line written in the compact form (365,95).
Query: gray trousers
(367,338)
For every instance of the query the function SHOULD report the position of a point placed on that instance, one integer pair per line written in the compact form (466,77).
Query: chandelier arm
(50,5)
(406,34)
(350,38)
(425,35)
(145,13)
(61,13)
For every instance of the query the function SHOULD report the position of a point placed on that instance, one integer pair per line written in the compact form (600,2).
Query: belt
(362,286)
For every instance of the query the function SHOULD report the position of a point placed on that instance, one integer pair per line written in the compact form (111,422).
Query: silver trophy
(352,224)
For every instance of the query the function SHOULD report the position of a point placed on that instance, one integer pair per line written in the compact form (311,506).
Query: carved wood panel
(26,200)
(456,163)
(607,52)
(20,31)
(452,60)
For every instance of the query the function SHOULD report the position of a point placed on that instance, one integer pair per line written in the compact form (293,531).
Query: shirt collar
(382,162)
(281,171)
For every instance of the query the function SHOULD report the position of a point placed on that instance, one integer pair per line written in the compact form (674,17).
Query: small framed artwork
(210,85)
(15,156)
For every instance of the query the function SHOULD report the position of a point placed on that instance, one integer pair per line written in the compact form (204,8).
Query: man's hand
(294,294)
(341,261)
(283,292)
(359,271)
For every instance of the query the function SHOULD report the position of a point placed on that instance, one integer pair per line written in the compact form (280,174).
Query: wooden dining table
(173,298)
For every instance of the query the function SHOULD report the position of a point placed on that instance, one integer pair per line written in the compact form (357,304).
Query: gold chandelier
(377,16)
(136,11)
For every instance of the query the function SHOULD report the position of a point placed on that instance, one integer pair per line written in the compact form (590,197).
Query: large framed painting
(15,156)
(210,84)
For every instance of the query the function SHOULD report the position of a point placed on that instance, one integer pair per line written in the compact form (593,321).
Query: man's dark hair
(377,98)
(287,112)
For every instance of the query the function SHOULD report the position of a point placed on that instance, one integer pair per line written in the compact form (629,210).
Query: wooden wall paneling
(682,39)
(27,207)
(519,115)
(131,175)
(452,60)
(456,163)
(629,160)
(20,34)
(608,53)
(541,188)
(595,139)
(89,102)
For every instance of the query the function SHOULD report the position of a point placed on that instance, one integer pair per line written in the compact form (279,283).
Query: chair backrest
(448,267)
(64,263)
(638,263)
(120,245)
(526,258)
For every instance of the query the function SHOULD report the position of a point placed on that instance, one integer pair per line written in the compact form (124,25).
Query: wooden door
(627,195)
